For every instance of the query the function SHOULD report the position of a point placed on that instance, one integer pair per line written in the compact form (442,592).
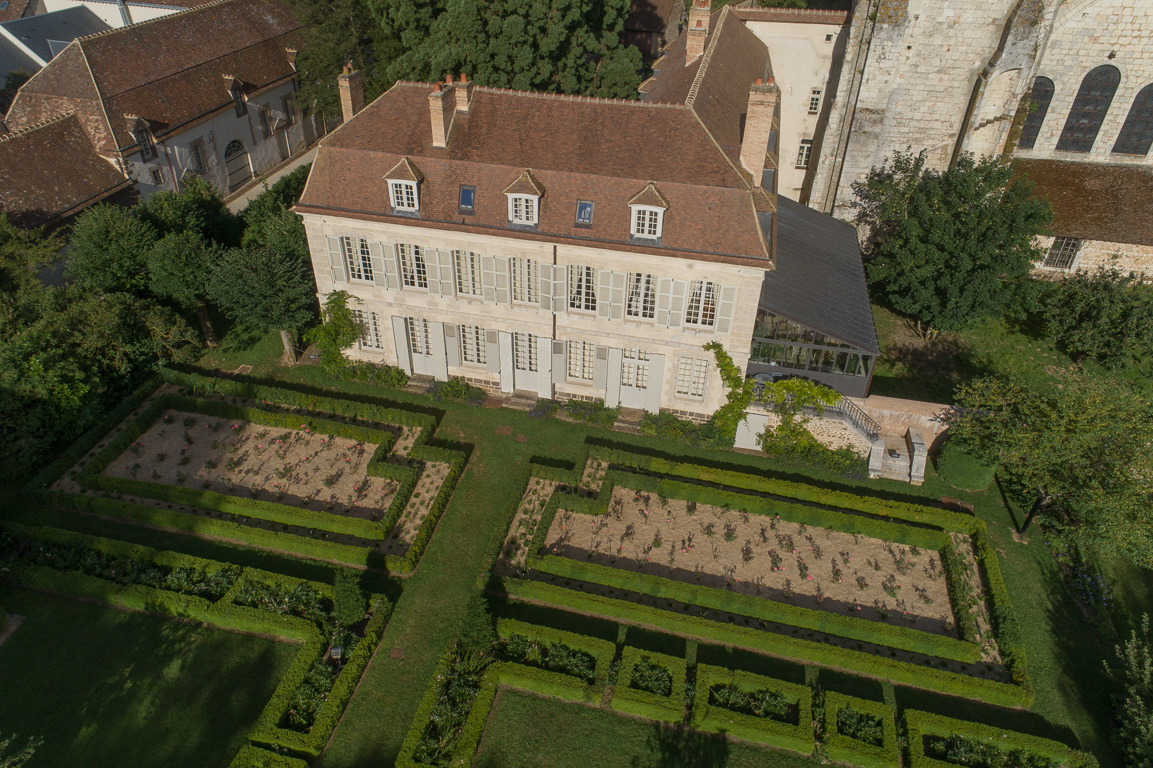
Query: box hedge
(852,627)
(922,724)
(709,717)
(255,757)
(601,650)
(628,699)
(843,748)
(784,646)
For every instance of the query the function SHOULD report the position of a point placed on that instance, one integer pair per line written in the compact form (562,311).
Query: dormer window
(524,196)
(403,194)
(647,222)
(144,138)
(647,214)
(522,210)
(238,101)
(403,180)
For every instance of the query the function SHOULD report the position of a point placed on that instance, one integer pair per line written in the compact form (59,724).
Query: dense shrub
(959,750)
(386,376)
(595,413)
(554,656)
(458,390)
(651,677)
(860,726)
(301,600)
(759,703)
(798,446)
(348,603)
(310,696)
(544,408)
(963,470)
(689,433)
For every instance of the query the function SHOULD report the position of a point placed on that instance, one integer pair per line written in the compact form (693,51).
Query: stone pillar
(919,455)
(877,458)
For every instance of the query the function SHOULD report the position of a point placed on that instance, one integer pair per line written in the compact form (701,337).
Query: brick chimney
(463,91)
(351,92)
(441,107)
(760,122)
(698,29)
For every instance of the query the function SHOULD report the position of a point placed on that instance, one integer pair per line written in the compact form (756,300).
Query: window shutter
(488,278)
(664,298)
(452,344)
(617,309)
(436,353)
(613,384)
(544,363)
(506,362)
(677,303)
(376,256)
(492,350)
(559,367)
(604,293)
(447,278)
(545,289)
(501,274)
(391,266)
(336,260)
(400,336)
(725,308)
(656,383)
(431,258)
(560,289)
(601,367)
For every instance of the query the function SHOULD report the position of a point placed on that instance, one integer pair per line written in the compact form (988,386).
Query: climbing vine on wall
(729,415)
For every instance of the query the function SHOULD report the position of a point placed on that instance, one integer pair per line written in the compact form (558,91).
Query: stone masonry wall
(1098,253)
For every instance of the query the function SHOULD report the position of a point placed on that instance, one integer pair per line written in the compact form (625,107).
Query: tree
(335,32)
(107,250)
(12,83)
(949,248)
(198,208)
(1133,673)
(1101,316)
(180,266)
(1081,449)
(270,203)
(20,757)
(22,251)
(337,332)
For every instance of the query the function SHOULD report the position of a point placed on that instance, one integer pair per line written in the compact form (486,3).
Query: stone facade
(1092,254)
(830,432)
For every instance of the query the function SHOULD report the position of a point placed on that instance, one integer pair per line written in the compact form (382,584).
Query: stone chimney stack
(698,29)
(760,122)
(351,92)
(441,108)
(463,91)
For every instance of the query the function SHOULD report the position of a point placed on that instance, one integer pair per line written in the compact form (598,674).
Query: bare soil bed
(291,466)
(761,556)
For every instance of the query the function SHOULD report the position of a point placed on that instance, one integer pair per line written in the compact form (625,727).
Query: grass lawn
(104,687)
(526,731)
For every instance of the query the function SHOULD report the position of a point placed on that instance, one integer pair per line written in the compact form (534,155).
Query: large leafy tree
(269,282)
(22,251)
(1103,315)
(108,249)
(1081,448)
(338,331)
(1133,672)
(336,32)
(198,208)
(949,248)
(180,266)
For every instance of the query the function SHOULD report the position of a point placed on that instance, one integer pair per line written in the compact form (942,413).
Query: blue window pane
(467,197)
(584,212)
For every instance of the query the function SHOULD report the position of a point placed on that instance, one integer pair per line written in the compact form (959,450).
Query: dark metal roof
(13,58)
(819,281)
(63,26)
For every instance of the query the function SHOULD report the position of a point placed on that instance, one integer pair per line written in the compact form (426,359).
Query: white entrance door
(634,378)
(639,382)
(236,164)
(526,361)
(420,344)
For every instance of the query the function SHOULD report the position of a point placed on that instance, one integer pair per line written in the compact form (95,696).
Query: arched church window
(1136,135)
(1039,99)
(1089,109)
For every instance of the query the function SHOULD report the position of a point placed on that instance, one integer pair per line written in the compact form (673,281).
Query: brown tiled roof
(716,84)
(578,149)
(1091,201)
(525,184)
(14,10)
(792,15)
(652,15)
(52,171)
(404,170)
(650,196)
(169,70)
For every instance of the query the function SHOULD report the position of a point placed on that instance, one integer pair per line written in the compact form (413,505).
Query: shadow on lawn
(681,747)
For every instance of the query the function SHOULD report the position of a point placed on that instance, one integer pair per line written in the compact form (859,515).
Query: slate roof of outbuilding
(52,171)
(169,70)
(600,150)
(13,57)
(819,281)
(1092,201)
(63,26)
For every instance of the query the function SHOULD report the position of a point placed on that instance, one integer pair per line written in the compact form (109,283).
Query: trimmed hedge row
(931,678)
(495,549)
(143,514)
(254,757)
(916,513)
(601,650)
(852,627)
(423,715)
(923,724)
(456,462)
(1006,628)
(38,486)
(958,592)
(846,749)
(708,717)
(669,708)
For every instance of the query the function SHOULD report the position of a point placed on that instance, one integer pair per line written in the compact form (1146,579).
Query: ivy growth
(336,333)
(729,415)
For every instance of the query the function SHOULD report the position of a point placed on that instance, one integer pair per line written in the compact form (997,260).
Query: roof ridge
(557,96)
(136,25)
(36,126)
(706,57)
